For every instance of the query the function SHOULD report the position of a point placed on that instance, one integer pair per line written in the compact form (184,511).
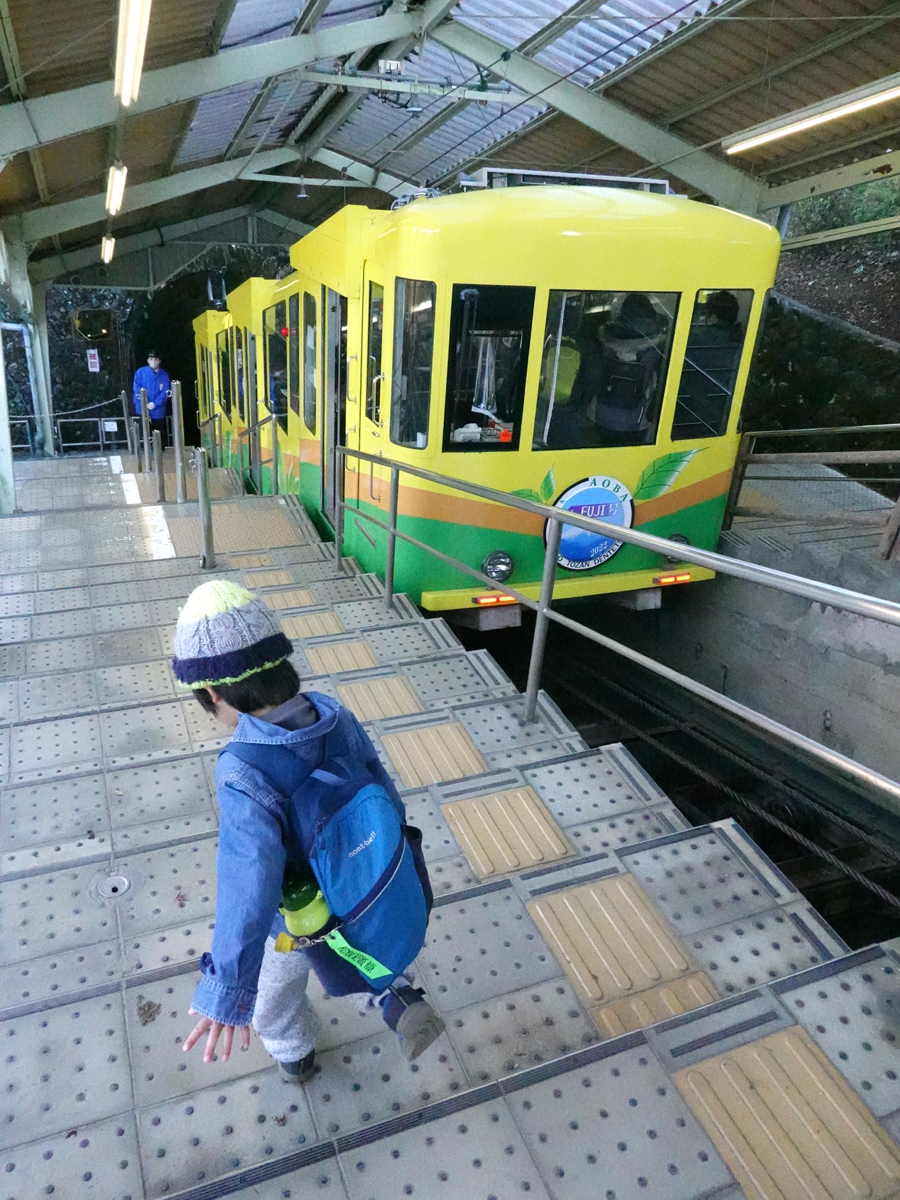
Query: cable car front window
(603,369)
(490,332)
(275,331)
(711,361)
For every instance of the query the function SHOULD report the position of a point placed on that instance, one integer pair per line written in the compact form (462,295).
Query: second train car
(587,347)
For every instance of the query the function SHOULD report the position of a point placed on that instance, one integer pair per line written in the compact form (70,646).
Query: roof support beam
(72,260)
(58,218)
(430,15)
(74,214)
(412,87)
(724,183)
(370,176)
(312,10)
(45,119)
(831,181)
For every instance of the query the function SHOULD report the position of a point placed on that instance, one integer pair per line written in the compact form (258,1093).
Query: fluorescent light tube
(106,248)
(134,17)
(843,105)
(115,188)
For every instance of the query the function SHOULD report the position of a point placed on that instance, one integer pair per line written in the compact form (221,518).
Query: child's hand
(215,1029)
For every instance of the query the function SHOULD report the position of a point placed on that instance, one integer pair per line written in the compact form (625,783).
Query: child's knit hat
(225,633)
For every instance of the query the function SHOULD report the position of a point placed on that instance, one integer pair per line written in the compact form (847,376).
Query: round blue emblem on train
(603,498)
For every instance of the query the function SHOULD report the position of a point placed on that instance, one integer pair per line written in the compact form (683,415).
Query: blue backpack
(349,831)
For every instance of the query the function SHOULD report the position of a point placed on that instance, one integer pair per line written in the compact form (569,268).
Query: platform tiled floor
(634,1008)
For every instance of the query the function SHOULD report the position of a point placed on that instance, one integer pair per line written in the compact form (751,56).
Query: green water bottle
(302,904)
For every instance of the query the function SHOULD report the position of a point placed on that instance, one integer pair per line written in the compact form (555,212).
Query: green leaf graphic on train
(657,477)
(545,495)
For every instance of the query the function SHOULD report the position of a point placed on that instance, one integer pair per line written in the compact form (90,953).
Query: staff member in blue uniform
(159,387)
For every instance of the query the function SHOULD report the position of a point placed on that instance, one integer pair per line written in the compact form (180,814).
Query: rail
(105,426)
(822,593)
(256,463)
(26,421)
(747,456)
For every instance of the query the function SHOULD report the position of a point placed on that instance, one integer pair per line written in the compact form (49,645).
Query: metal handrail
(247,432)
(771,433)
(823,593)
(797,585)
(747,457)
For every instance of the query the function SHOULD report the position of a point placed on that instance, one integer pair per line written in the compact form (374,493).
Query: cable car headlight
(681,539)
(498,565)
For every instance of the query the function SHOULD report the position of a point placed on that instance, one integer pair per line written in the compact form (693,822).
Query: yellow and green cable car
(587,347)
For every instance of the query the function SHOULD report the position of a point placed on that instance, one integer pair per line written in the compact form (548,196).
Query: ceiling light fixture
(879,92)
(303,194)
(134,17)
(106,248)
(115,188)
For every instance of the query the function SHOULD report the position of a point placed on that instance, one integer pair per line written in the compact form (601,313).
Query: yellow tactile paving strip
(234,530)
(252,560)
(787,1124)
(609,939)
(433,755)
(295,598)
(388,696)
(655,1004)
(312,625)
(342,656)
(259,579)
(506,831)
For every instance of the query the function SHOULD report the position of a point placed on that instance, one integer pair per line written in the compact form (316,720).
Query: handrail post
(136,441)
(208,553)
(539,641)
(178,440)
(274,454)
(159,467)
(339,514)
(145,425)
(745,449)
(129,430)
(391,539)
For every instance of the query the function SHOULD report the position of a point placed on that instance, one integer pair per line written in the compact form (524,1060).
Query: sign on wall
(93,360)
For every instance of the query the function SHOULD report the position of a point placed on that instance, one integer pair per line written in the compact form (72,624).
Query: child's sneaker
(298,1072)
(417,1028)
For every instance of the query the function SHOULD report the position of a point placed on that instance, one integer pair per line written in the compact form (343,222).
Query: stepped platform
(635,1008)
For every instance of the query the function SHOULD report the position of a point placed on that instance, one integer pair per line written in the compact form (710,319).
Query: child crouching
(291,759)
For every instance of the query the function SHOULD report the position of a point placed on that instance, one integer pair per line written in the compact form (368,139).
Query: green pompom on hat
(224,634)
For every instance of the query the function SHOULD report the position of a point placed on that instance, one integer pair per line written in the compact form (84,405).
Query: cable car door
(373,393)
(334,409)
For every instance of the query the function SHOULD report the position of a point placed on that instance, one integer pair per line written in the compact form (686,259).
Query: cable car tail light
(675,577)
(491,600)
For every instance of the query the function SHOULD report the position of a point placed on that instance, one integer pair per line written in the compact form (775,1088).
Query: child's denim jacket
(255,841)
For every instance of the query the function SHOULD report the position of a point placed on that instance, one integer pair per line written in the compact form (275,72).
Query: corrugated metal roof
(614,35)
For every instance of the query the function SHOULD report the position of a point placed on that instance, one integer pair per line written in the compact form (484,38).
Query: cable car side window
(711,361)
(239,370)
(374,374)
(413,353)
(294,352)
(309,361)
(223,354)
(275,333)
(490,332)
(603,369)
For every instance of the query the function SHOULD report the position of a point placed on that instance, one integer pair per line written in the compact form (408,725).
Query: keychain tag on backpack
(365,963)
